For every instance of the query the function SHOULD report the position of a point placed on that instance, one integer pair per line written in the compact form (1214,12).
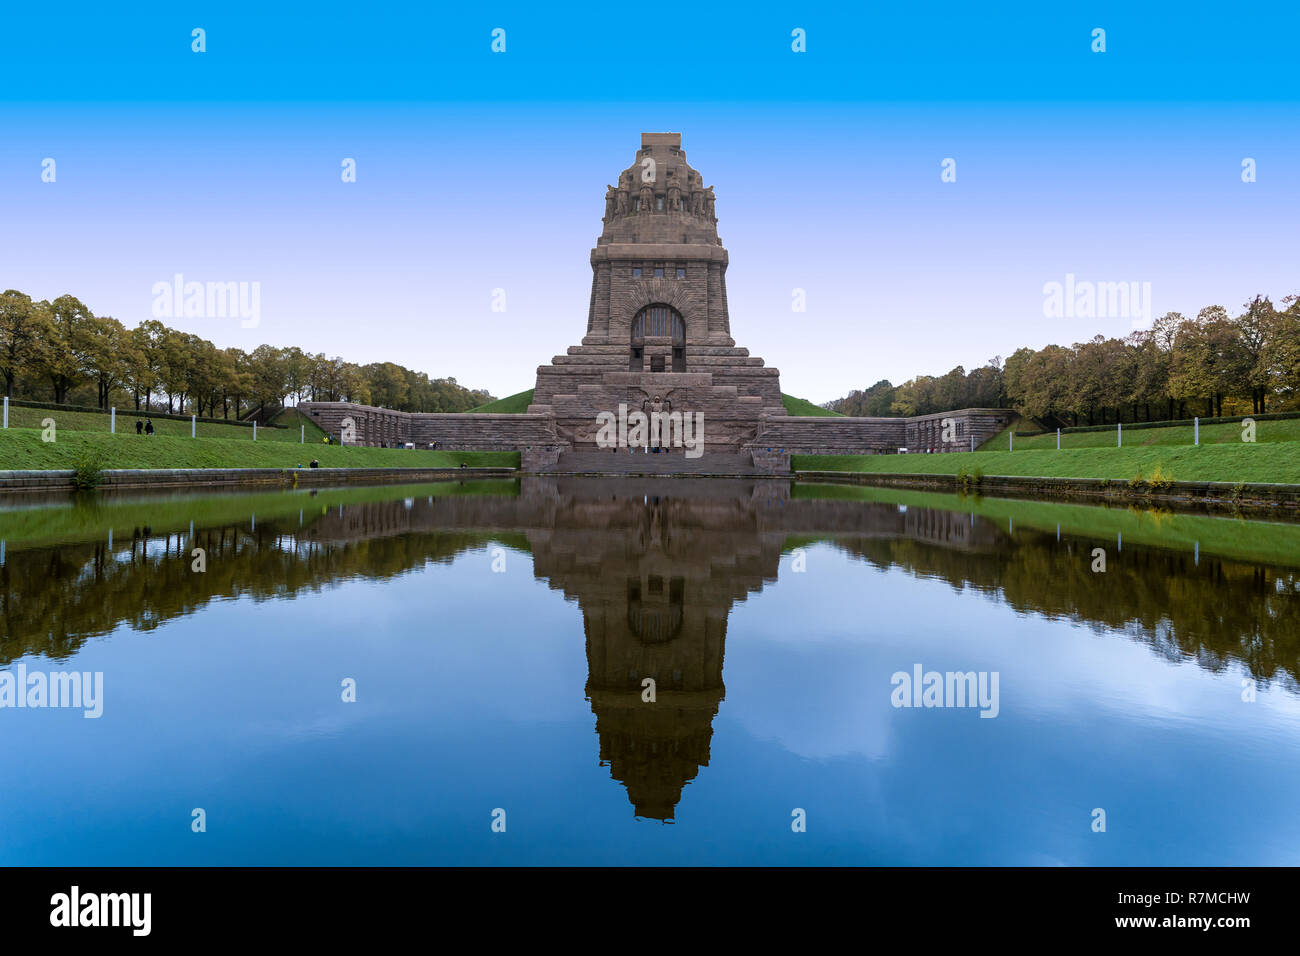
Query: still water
(497,636)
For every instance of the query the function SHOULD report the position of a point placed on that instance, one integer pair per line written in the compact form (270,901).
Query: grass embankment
(1230,537)
(92,517)
(294,420)
(22,448)
(801,406)
(72,421)
(1277,462)
(516,404)
(1226,433)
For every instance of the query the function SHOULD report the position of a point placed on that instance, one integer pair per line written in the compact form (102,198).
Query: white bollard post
(1058,439)
(194,422)
(254,431)
(112,421)
(1119,434)
(6,411)
(1011,441)
(302,438)
(972,442)
(1196,430)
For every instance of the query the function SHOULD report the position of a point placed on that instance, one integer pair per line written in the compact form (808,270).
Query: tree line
(1211,365)
(60,351)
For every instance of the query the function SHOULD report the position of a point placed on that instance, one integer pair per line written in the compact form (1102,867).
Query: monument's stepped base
(622,462)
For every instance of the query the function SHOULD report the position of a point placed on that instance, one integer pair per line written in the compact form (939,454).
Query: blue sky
(479,171)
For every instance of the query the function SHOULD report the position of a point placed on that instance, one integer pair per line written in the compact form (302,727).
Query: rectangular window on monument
(656,363)
(636,273)
(681,273)
(679,360)
(637,362)
(659,273)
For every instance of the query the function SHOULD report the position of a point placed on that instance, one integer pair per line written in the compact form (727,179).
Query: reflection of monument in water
(656,568)
(656,576)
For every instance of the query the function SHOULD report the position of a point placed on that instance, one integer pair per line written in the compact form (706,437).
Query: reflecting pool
(656,671)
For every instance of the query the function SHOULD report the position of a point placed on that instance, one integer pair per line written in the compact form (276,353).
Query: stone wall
(879,436)
(925,432)
(732,423)
(466,431)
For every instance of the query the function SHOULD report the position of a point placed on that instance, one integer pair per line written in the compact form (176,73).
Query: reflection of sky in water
(471,697)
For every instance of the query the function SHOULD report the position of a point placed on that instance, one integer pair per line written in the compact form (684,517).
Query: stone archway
(658,321)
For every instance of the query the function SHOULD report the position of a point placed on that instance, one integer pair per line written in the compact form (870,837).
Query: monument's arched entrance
(658,321)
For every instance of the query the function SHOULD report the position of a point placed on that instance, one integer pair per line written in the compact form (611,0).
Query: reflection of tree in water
(1214,612)
(56,598)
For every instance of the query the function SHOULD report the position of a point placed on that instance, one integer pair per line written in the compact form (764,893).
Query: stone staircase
(623,462)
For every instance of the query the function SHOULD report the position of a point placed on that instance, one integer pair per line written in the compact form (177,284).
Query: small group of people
(144,427)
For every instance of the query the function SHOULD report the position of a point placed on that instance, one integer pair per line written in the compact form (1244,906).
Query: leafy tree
(108,353)
(64,356)
(24,324)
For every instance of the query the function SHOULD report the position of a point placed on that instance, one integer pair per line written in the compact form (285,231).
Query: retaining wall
(117,478)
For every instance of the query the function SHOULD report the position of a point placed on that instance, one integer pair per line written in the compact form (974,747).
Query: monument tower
(658,329)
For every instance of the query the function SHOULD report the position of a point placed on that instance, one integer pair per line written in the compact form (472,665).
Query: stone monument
(658,329)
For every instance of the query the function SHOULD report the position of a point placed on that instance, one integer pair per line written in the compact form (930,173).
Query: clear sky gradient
(479,171)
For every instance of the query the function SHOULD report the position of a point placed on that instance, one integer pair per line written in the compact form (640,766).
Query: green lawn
(22,448)
(1228,433)
(516,404)
(999,441)
(91,517)
(70,421)
(1267,462)
(801,406)
(1260,541)
(292,419)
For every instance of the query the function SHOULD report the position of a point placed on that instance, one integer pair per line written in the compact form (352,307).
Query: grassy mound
(1272,462)
(80,421)
(801,406)
(22,448)
(1225,433)
(516,404)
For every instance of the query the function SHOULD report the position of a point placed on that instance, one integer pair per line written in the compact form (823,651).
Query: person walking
(148,426)
(139,427)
